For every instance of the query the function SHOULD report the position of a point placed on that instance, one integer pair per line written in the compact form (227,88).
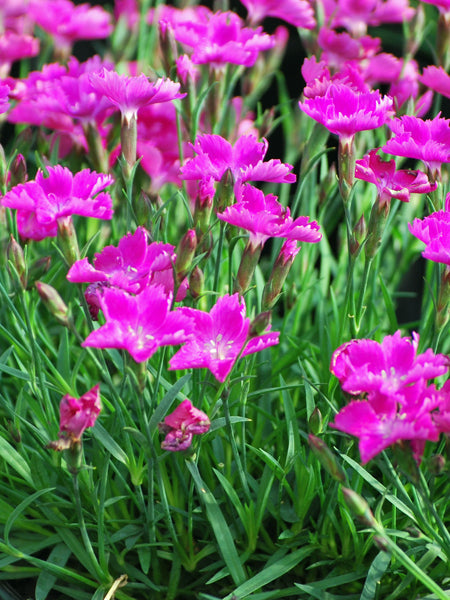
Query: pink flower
(391,183)
(338,48)
(436,79)
(434,232)
(244,160)
(219,337)
(388,367)
(344,111)
(428,141)
(76,414)
(68,22)
(264,218)
(4,95)
(179,427)
(15,46)
(139,324)
(442,5)
(42,203)
(376,431)
(220,38)
(129,94)
(132,266)
(296,12)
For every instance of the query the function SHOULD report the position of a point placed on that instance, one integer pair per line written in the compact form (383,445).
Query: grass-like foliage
(223,371)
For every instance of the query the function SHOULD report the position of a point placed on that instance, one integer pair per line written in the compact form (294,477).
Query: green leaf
(15,460)
(164,406)
(45,582)
(376,572)
(220,528)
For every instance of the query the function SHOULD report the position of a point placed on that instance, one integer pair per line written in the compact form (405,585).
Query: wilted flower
(179,427)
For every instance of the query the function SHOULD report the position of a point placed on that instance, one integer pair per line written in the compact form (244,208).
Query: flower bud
(436,464)
(185,253)
(67,239)
(54,303)
(359,507)
(249,260)
(16,257)
(326,458)
(281,268)
(38,268)
(224,195)
(196,282)
(260,324)
(18,171)
(315,422)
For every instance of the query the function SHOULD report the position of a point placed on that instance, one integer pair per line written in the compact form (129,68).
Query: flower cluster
(179,427)
(395,401)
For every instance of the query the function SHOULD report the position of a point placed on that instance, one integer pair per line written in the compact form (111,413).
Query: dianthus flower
(365,366)
(339,48)
(222,39)
(244,159)
(179,427)
(129,94)
(344,111)
(139,324)
(357,15)
(132,266)
(436,79)
(425,140)
(296,12)
(264,217)
(42,204)
(15,46)
(389,182)
(434,232)
(4,95)
(76,415)
(219,337)
(68,22)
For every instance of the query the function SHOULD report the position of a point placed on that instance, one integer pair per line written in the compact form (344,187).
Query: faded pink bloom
(436,79)
(76,414)
(220,38)
(339,48)
(357,15)
(391,183)
(219,337)
(264,217)
(129,94)
(344,111)
(68,22)
(296,12)
(388,367)
(179,427)
(42,203)
(434,232)
(244,160)
(425,140)
(139,324)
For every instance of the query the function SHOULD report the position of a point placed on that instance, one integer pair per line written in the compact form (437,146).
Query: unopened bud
(377,222)
(281,268)
(16,258)
(67,239)
(54,303)
(249,260)
(346,164)
(260,324)
(326,458)
(168,44)
(38,268)
(359,507)
(185,253)
(196,282)
(436,464)
(315,422)
(18,171)
(224,195)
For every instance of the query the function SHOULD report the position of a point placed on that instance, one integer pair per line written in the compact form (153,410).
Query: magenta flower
(388,367)
(139,324)
(296,12)
(15,46)
(76,414)
(434,232)
(132,266)
(377,431)
(68,22)
(264,217)
(391,183)
(179,427)
(4,96)
(344,111)
(425,140)
(129,94)
(219,337)
(244,160)
(43,203)
(436,79)
(222,38)
(442,5)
